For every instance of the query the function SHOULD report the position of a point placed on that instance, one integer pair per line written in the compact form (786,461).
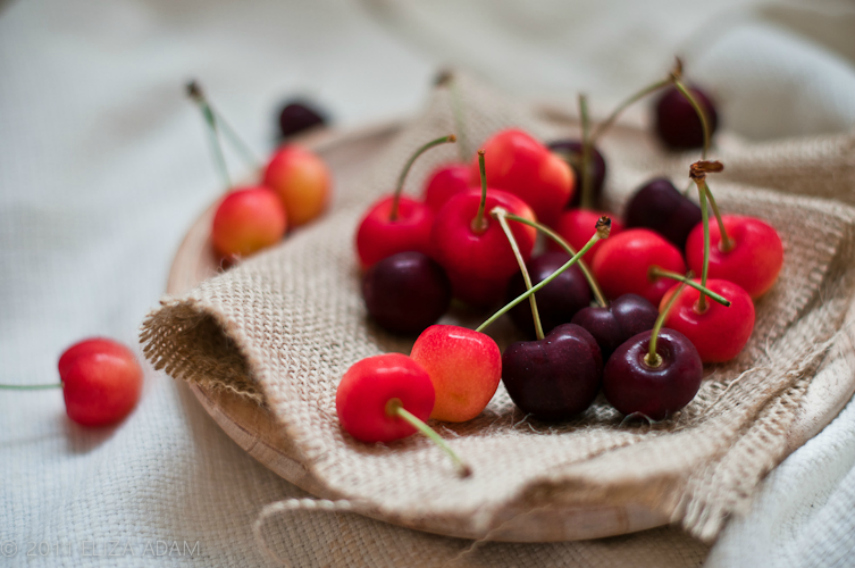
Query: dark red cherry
(659,206)
(555,378)
(626,316)
(297,116)
(406,292)
(677,123)
(598,169)
(632,385)
(558,302)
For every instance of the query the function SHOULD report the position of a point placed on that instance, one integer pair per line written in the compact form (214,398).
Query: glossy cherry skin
(517,163)
(631,385)
(247,220)
(598,169)
(753,262)
(366,389)
(444,183)
(406,292)
(555,378)
(626,316)
(302,181)
(677,123)
(623,263)
(298,116)
(379,237)
(486,256)
(465,367)
(558,301)
(577,226)
(101,381)
(659,206)
(720,332)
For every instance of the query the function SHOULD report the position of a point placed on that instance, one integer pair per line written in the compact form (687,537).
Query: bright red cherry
(521,165)
(677,122)
(444,183)
(577,226)
(247,220)
(718,332)
(752,257)
(623,263)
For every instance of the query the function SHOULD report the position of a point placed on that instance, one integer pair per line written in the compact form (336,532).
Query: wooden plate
(254,429)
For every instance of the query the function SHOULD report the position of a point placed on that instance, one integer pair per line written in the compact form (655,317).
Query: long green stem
(395,408)
(501,214)
(393,214)
(653,359)
(558,239)
(459,124)
(31,387)
(196,94)
(587,199)
(698,173)
(479,223)
(607,123)
(726,244)
(242,147)
(603,227)
(700,111)
(658,272)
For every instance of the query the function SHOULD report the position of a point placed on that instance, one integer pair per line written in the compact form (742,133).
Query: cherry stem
(603,227)
(393,214)
(501,214)
(705,219)
(586,202)
(592,282)
(607,123)
(194,91)
(700,112)
(479,223)
(653,359)
(31,387)
(656,272)
(457,112)
(395,408)
(726,244)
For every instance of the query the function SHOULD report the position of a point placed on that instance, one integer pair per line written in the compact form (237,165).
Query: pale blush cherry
(576,226)
(302,181)
(247,220)
(445,182)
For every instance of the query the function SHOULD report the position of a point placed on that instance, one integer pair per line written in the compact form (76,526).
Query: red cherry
(378,237)
(247,220)
(622,265)
(101,381)
(521,165)
(577,226)
(444,183)
(753,260)
(364,394)
(719,333)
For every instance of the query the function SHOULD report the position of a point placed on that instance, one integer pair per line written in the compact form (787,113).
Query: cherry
(752,254)
(444,183)
(559,301)
(659,206)
(298,115)
(677,122)
(247,220)
(465,367)
(571,151)
(406,292)
(554,378)
(396,223)
(622,265)
(625,316)
(577,225)
(302,181)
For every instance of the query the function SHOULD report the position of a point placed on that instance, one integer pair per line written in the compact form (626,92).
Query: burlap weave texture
(283,327)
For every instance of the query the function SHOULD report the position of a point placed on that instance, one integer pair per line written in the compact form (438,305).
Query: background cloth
(103,166)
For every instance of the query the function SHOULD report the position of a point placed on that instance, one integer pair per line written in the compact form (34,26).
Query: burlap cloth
(283,326)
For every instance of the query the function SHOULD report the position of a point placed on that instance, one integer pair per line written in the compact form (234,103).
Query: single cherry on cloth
(718,332)
(659,206)
(571,151)
(576,226)
(622,265)
(247,220)
(751,256)
(465,367)
(406,292)
(625,316)
(302,181)
(555,378)
(524,167)
(299,115)
(677,122)
(397,223)
(444,183)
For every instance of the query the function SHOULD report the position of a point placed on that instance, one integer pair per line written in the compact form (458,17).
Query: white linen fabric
(103,166)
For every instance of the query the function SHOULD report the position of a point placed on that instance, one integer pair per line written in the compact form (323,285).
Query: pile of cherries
(626,316)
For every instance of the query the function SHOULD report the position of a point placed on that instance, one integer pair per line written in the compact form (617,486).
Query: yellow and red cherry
(555,378)
(659,206)
(576,226)
(623,263)
(406,292)
(718,332)
(247,220)
(444,183)
(625,316)
(524,167)
(571,151)
(751,254)
(302,181)
(677,122)
(298,116)
(465,367)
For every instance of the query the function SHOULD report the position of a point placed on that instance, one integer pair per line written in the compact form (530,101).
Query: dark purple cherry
(598,169)
(558,302)
(631,384)
(406,292)
(555,378)
(659,206)
(626,316)
(677,123)
(299,115)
